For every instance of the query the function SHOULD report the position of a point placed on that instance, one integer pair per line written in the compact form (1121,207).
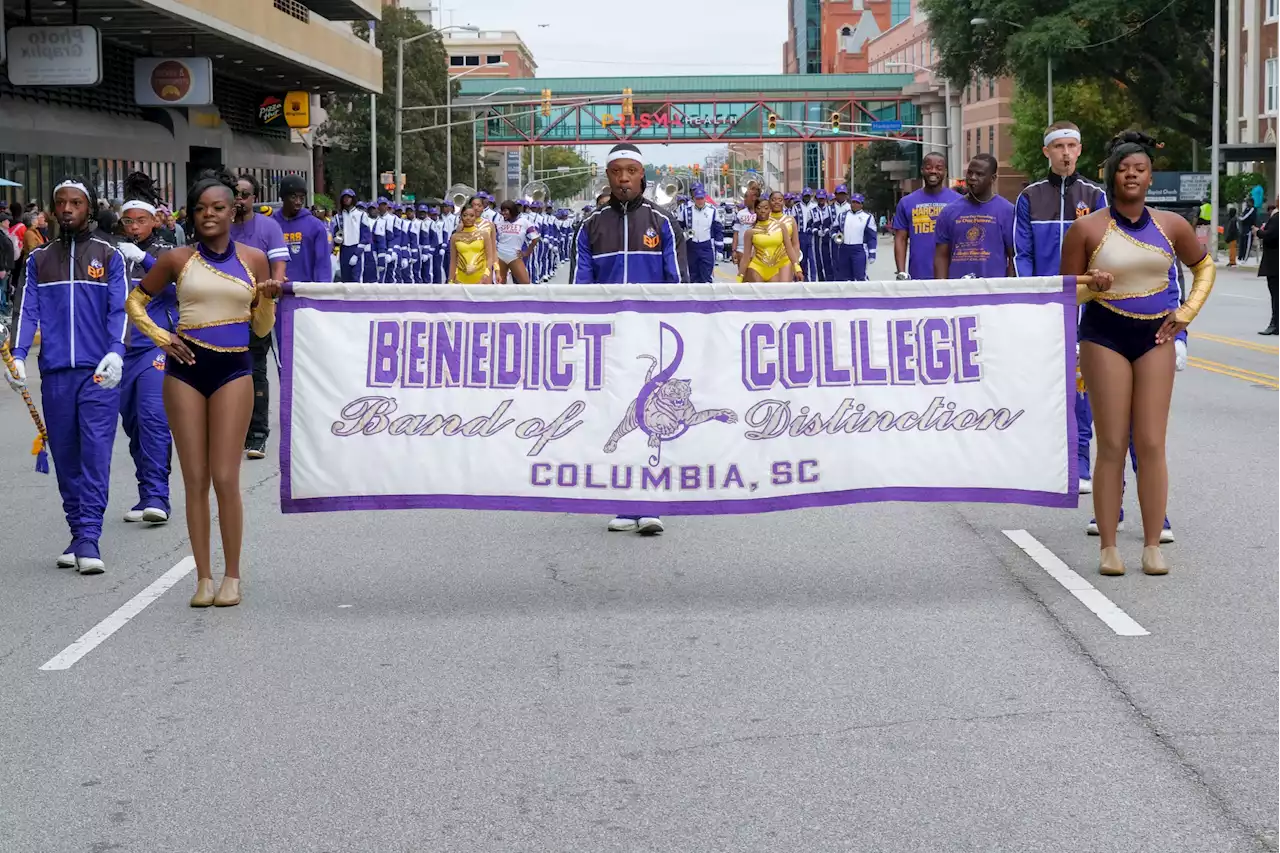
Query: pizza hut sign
(271,111)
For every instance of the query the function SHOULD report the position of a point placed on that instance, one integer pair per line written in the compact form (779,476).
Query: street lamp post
(400,43)
(448,116)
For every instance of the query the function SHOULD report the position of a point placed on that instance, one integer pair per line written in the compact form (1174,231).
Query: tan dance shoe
(228,594)
(1110,563)
(1153,561)
(204,593)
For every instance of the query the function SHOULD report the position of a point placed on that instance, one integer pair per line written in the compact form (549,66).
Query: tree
(1158,50)
(1101,109)
(562,186)
(425,76)
(870,179)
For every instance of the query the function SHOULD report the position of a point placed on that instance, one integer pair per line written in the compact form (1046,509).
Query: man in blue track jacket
(74,295)
(630,240)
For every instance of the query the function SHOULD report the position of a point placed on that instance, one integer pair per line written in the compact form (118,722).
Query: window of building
(472,60)
(846,40)
(978,149)
(1273,10)
(899,11)
(456,61)
(991,139)
(493,58)
(968,143)
(991,87)
(1272,89)
(859,5)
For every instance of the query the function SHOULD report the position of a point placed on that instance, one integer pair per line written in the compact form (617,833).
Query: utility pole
(1215,154)
(373,129)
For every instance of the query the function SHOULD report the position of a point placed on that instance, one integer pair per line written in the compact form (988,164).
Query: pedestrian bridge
(713,108)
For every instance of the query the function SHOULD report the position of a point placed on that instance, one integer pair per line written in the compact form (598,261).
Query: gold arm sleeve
(1203,276)
(262,319)
(136,307)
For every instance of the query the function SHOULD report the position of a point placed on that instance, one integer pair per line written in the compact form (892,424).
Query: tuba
(667,190)
(535,191)
(458,195)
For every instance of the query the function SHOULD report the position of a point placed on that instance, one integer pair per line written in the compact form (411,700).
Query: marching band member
(381,247)
(224,289)
(808,225)
(1127,332)
(822,241)
(609,251)
(770,254)
(352,236)
(778,212)
(745,219)
(141,387)
(518,236)
(1044,211)
(413,231)
(369,264)
(445,225)
(855,242)
(915,219)
(473,256)
(839,208)
(263,233)
(306,236)
(705,234)
(426,260)
(82,327)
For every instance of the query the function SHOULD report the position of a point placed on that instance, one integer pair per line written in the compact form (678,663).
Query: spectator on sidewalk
(1231,235)
(1270,233)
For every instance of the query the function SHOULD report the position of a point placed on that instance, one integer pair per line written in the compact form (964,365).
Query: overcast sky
(610,38)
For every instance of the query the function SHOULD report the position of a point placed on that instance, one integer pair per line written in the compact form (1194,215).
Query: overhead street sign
(886,127)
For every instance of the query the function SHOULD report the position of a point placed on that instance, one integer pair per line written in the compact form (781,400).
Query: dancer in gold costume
(770,253)
(472,256)
(1127,332)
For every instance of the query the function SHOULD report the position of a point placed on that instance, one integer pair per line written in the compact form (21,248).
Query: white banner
(677,399)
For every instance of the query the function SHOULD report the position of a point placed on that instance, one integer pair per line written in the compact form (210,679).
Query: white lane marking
(67,658)
(1239,296)
(1104,608)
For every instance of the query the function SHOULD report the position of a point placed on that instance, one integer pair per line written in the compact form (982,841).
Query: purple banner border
(1070,499)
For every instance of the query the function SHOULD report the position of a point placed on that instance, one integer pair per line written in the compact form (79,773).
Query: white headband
(1061,133)
(72,185)
(623,154)
(137,204)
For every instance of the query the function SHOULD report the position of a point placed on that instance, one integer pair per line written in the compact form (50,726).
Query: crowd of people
(165,322)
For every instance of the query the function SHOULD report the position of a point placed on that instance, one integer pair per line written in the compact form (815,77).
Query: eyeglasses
(244,194)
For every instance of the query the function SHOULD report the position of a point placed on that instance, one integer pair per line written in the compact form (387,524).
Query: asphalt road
(894,677)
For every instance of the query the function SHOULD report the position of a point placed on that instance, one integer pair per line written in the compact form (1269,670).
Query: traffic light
(835,122)
(626,102)
(546,102)
(595,169)
(697,170)
(724,169)
(773,123)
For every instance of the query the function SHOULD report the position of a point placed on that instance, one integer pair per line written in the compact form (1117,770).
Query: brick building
(1253,89)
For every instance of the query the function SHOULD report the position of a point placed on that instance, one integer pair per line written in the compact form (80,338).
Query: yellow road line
(1263,379)
(1236,342)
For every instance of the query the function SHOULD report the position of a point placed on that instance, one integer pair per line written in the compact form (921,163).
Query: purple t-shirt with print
(980,235)
(917,214)
(262,232)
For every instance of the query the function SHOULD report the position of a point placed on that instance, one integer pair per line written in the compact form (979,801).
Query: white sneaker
(1092,528)
(1086,487)
(90,565)
(154,515)
(650,526)
(67,561)
(1166,536)
(133,516)
(623,525)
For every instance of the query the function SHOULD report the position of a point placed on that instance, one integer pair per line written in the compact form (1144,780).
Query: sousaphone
(667,189)
(458,194)
(535,191)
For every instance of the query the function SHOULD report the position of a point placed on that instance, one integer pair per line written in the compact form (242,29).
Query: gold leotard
(770,249)
(472,261)
(215,306)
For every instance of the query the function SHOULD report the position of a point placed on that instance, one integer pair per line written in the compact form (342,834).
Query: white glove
(355,259)
(1180,353)
(109,371)
(902,276)
(19,383)
(404,263)
(131,252)
(872,257)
